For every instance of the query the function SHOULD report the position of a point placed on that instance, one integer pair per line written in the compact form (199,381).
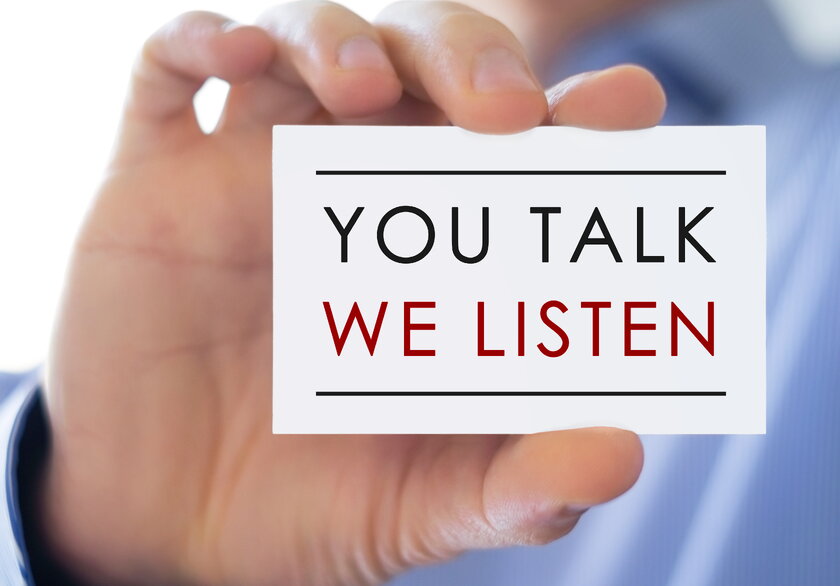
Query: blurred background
(65,66)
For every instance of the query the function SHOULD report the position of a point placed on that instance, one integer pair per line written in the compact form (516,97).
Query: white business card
(433,280)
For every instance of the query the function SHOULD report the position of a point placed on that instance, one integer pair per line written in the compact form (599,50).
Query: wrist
(91,536)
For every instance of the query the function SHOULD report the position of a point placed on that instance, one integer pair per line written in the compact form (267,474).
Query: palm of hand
(182,270)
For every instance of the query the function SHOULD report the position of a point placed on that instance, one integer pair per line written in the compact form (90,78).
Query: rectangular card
(433,280)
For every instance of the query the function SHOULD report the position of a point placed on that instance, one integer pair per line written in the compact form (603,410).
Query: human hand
(163,467)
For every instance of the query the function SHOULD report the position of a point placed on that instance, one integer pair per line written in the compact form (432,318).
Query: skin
(162,467)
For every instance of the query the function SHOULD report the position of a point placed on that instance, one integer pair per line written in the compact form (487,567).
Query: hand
(163,467)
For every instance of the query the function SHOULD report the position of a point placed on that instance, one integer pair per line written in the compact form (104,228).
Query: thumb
(495,491)
(625,97)
(538,486)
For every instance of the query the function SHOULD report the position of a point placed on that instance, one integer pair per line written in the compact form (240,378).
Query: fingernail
(362,53)
(501,70)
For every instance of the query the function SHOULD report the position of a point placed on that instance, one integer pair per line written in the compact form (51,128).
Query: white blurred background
(64,68)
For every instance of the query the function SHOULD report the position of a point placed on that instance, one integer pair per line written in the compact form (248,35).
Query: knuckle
(394,9)
(455,22)
(308,17)
(197,21)
(190,23)
(197,16)
(324,9)
(444,21)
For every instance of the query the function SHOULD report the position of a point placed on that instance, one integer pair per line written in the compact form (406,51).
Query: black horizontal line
(520,172)
(520,393)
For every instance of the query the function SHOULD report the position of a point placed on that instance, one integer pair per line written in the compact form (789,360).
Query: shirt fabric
(707,510)
(17,395)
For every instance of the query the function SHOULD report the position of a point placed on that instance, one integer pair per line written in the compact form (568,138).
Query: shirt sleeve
(17,405)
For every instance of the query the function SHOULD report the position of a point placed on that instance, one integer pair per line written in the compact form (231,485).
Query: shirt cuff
(15,410)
